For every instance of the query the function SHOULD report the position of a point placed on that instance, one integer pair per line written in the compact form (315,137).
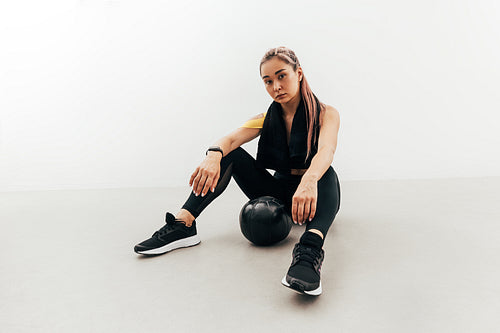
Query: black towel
(273,152)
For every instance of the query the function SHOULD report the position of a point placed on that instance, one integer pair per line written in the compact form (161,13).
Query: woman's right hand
(206,175)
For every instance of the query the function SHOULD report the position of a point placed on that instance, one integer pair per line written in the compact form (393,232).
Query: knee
(238,156)
(329,183)
(236,153)
(329,176)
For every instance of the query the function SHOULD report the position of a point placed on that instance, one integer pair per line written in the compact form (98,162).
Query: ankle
(317,232)
(311,238)
(186,217)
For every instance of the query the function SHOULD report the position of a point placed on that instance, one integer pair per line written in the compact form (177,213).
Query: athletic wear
(275,151)
(173,235)
(251,175)
(303,275)
(256,182)
(255,123)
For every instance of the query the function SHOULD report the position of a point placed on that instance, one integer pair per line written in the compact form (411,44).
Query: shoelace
(308,254)
(163,230)
(169,225)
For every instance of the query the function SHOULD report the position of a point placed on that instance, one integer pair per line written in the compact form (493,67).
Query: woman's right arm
(206,175)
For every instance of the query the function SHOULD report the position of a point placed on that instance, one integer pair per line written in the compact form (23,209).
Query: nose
(277,86)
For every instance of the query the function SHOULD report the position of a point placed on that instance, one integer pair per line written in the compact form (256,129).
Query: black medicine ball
(265,221)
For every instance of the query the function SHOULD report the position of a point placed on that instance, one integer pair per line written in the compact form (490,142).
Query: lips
(279,96)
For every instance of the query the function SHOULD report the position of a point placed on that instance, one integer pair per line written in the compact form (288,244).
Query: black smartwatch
(214,148)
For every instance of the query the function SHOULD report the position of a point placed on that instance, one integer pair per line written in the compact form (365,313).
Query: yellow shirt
(255,123)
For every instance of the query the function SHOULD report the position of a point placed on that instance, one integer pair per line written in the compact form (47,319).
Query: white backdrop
(101,94)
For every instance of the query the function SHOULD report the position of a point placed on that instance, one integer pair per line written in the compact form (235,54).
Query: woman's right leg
(178,232)
(254,181)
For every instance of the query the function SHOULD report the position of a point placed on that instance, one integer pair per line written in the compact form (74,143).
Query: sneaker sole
(184,242)
(299,288)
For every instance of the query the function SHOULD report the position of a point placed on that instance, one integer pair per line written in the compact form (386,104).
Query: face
(281,82)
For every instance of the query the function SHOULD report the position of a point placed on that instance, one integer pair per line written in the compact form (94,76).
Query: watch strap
(214,148)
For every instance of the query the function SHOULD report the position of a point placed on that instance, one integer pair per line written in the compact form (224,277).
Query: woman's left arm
(305,197)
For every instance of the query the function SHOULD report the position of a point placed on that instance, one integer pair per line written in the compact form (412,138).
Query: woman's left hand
(304,201)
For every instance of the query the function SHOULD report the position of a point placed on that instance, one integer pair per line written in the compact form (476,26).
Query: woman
(298,138)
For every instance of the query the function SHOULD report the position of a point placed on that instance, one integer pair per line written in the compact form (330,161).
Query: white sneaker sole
(315,292)
(184,242)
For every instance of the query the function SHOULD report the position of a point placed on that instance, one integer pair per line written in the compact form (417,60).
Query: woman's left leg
(328,202)
(304,272)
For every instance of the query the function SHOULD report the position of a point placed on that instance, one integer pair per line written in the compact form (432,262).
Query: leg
(317,232)
(253,180)
(327,205)
(304,272)
(186,216)
(179,232)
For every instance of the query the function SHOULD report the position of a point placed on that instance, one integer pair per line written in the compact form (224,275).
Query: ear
(299,70)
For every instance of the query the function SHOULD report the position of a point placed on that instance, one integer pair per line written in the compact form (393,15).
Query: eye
(281,75)
(267,82)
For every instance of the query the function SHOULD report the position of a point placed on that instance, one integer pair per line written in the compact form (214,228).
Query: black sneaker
(303,276)
(173,235)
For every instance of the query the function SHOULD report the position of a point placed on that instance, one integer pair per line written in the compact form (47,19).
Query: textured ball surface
(265,221)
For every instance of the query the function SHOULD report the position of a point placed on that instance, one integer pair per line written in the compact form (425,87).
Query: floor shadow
(147,256)
(284,243)
(303,301)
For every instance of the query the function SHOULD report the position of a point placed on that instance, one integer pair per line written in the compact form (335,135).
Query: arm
(235,139)
(327,145)
(304,199)
(206,175)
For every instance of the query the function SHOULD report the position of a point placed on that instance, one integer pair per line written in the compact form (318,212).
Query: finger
(215,181)
(193,176)
(307,209)
(208,184)
(294,210)
(201,183)
(313,210)
(195,182)
(300,212)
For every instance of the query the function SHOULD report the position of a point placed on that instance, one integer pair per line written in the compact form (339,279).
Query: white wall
(98,94)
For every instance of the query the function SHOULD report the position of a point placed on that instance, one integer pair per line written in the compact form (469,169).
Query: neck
(291,106)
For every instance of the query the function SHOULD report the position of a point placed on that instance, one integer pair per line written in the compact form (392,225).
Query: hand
(206,175)
(304,201)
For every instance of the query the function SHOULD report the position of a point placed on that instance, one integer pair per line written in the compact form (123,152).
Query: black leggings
(256,182)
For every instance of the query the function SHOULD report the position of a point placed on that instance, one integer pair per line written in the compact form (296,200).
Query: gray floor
(402,256)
